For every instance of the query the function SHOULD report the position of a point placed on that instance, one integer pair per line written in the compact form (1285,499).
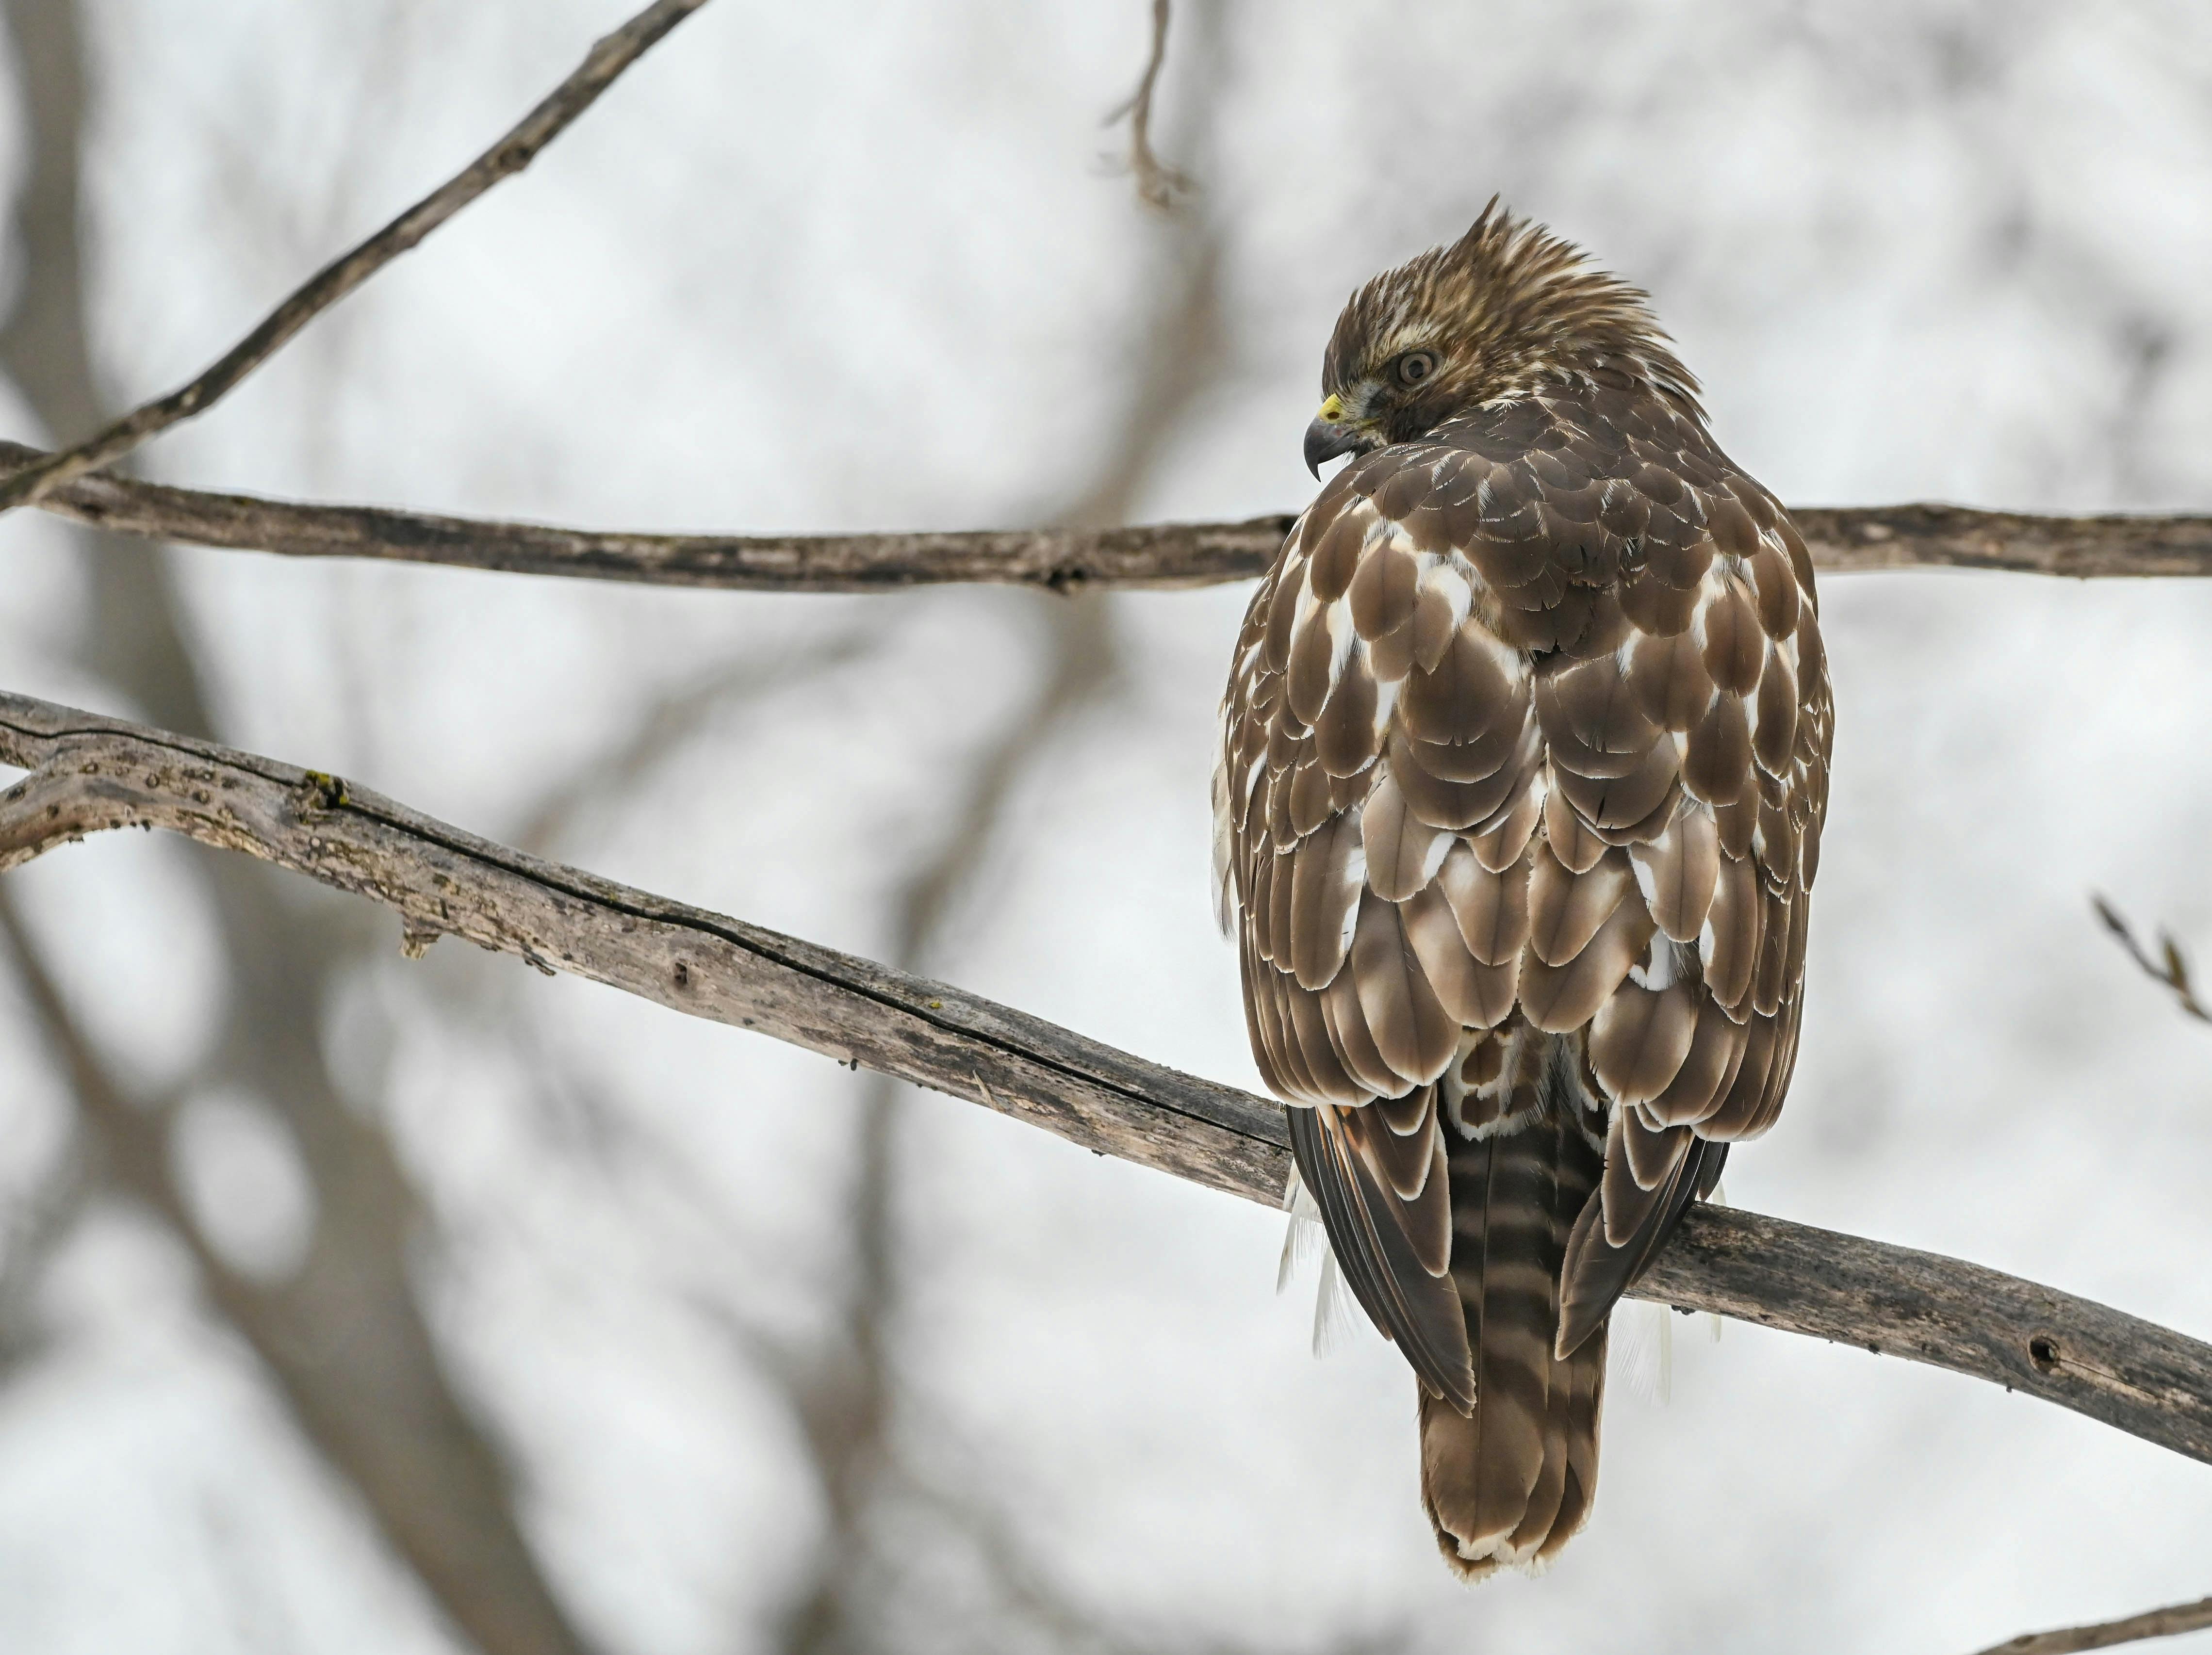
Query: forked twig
(609,56)
(1157,184)
(2170,969)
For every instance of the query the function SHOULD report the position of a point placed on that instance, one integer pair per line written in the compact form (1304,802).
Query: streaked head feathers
(1496,315)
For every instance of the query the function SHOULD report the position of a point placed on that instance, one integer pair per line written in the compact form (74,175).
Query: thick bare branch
(2152,1623)
(1155,555)
(609,56)
(89,773)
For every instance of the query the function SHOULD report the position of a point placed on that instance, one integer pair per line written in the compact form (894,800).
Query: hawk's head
(1493,316)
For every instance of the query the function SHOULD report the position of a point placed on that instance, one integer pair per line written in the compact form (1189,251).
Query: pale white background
(837,265)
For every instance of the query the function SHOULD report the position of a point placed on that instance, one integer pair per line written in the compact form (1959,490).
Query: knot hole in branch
(2042,1353)
(324,792)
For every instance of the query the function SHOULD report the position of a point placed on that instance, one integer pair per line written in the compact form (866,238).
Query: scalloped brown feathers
(1523,770)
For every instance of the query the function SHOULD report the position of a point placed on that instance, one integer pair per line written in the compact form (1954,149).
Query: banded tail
(1510,1483)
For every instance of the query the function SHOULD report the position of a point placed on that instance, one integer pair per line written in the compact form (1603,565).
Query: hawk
(1524,762)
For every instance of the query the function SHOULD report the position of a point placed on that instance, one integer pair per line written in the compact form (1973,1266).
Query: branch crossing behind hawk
(1524,762)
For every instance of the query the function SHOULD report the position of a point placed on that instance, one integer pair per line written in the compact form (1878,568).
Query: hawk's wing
(1527,730)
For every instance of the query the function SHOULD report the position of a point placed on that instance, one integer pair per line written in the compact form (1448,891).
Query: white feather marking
(1645,1338)
(1386,703)
(1439,848)
(1455,578)
(1355,879)
(1647,883)
(1333,1321)
(1663,967)
(1503,1123)
(1342,638)
(1224,884)
(1300,1237)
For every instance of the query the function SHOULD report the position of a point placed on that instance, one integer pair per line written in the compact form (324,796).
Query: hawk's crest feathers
(1508,308)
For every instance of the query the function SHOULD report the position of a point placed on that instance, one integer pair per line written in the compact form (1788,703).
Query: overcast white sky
(841,265)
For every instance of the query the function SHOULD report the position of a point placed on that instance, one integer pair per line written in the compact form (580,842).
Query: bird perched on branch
(1524,762)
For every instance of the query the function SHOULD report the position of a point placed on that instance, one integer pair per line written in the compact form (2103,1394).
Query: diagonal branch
(609,56)
(90,774)
(2167,1622)
(1155,555)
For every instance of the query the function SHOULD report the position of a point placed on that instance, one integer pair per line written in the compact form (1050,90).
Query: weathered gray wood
(2142,1378)
(1168,555)
(1924,537)
(91,773)
(2168,1622)
(1156,556)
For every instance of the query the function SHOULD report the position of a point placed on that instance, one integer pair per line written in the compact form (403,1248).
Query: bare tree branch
(609,56)
(1156,556)
(466,1550)
(1157,184)
(2152,1623)
(384,1418)
(89,773)
(853,1596)
(2170,970)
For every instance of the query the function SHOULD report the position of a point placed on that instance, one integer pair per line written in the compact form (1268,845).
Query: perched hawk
(1524,759)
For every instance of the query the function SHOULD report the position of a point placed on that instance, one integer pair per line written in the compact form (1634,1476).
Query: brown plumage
(1524,764)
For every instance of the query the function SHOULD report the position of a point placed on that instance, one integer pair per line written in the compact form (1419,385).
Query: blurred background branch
(995,1409)
(515,149)
(346,1350)
(1158,185)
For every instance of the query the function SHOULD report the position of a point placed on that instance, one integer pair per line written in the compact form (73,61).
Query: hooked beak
(1331,434)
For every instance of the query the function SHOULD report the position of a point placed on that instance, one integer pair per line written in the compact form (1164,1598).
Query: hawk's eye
(1416,366)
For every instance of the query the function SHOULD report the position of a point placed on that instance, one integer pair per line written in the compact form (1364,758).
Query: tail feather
(1587,1366)
(1507,1484)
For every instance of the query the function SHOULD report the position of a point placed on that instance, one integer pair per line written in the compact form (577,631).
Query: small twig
(608,57)
(1157,184)
(2155,1623)
(2170,970)
(91,773)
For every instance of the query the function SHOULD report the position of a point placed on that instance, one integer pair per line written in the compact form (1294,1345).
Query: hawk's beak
(1330,435)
